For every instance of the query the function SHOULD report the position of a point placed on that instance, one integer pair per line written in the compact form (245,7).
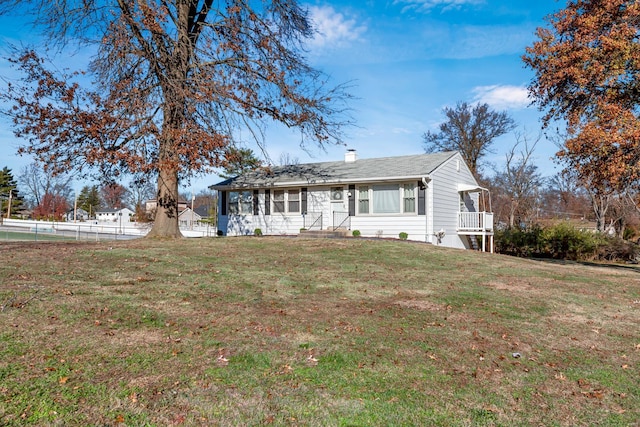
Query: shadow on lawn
(627,267)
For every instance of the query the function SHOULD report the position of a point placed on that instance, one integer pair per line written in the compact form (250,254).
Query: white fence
(99,230)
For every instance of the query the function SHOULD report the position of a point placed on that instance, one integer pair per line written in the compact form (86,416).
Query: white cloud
(333,29)
(403,131)
(428,5)
(503,97)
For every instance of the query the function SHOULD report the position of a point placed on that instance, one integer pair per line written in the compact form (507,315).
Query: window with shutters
(387,199)
(240,202)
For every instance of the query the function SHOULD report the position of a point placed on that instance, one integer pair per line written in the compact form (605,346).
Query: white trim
(470,188)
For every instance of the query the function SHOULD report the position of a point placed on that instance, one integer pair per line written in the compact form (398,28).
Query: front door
(338,207)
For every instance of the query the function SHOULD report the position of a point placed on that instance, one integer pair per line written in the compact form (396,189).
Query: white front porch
(477,224)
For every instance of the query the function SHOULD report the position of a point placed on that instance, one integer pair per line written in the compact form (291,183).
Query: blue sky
(405,60)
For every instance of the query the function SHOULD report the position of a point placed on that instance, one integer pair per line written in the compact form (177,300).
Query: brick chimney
(350,156)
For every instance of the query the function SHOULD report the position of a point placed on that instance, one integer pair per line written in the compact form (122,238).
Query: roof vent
(350,156)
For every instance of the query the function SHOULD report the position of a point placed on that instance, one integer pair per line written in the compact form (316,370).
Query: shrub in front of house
(355,233)
(257,232)
(403,236)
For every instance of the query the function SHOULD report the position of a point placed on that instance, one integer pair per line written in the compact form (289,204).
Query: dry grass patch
(243,331)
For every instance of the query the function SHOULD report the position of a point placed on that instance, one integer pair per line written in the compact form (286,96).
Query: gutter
(319,183)
(426,180)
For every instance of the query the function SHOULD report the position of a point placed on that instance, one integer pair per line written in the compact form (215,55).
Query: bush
(355,233)
(403,236)
(518,242)
(563,241)
(614,249)
(257,232)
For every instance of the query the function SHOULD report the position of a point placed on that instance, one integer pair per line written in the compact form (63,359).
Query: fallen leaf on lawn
(63,380)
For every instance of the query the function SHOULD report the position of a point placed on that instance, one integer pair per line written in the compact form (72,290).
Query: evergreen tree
(9,193)
(89,199)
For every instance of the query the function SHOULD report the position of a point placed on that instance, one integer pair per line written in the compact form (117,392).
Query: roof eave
(318,183)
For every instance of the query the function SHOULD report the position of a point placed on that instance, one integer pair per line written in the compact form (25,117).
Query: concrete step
(324,234)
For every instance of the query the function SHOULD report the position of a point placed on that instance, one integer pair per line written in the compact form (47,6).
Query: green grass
(281,331)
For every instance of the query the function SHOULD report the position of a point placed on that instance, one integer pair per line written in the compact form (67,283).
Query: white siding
(391,226)
(274,224)
(445,200)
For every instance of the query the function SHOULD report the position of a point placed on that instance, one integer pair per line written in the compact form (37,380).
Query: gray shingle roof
(383,168)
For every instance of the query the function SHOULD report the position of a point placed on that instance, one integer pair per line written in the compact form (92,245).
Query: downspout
(425,181)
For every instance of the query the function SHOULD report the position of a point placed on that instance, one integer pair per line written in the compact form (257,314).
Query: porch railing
(341,220)
(475,221)
(313,220)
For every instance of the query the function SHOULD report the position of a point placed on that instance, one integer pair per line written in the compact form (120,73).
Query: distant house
(188,218)
(77,215)
(112,215)
(433,198)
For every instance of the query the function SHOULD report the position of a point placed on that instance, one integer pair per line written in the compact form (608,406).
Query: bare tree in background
(519,183)
(470,130)
(139,192)
(286,159)
(36,182)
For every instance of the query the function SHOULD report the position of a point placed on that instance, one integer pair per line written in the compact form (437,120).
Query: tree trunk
(166,222)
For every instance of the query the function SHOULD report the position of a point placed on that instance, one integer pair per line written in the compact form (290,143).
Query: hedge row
(563,241)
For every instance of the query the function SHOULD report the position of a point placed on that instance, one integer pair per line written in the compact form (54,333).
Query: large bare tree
(469,129)
(175,82)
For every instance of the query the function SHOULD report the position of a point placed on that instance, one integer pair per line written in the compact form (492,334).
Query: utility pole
(9,207)
(193,198)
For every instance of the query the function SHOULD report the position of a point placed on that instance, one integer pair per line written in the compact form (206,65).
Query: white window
(278,201)
(409,198)
(293,200)
(286,201)
(240,202)
(363,200)
(387,199)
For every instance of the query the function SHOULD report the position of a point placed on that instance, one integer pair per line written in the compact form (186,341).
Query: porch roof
(340,172)
(471,188)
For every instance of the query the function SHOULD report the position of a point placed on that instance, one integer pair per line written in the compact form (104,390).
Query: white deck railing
(475,221)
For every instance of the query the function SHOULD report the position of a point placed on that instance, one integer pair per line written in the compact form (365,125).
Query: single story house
(434,198)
